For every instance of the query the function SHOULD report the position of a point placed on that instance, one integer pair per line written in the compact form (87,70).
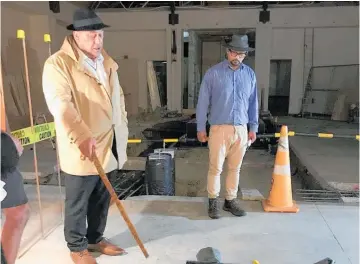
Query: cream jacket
(83,107)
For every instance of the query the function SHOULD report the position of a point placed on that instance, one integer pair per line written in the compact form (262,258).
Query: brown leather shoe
(107,248)
(82,257)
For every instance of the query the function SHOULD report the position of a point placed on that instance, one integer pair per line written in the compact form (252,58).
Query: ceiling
(125,5)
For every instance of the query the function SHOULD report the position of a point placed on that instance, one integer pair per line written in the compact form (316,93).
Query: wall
(34,19)
(331,47)
(288,21)
(211,55)
(288,44)
(139,47)
(12,61)
(283,21)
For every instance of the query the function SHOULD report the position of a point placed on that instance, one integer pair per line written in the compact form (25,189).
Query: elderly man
(229,88)
(82,91)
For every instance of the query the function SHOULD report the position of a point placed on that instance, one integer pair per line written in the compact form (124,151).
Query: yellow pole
(21,36)
(47,39)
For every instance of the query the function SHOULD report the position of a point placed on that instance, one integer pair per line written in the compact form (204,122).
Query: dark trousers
(86,199)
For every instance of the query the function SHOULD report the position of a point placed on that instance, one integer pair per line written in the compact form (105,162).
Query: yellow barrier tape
(46,131)
(171,140)
(134,140)
(325,135)
(27,136)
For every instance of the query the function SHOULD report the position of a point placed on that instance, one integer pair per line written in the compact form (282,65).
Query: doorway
(156,82)
(279,90)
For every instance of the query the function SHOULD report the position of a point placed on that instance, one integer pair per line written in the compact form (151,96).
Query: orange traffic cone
(280,197)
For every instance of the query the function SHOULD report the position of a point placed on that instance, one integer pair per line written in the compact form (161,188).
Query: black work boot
(214,208)
(233,206)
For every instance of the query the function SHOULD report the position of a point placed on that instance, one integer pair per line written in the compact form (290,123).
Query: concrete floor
(174,229)
(332,162)
(191,167)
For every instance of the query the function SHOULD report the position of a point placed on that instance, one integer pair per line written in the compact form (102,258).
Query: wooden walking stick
(21,35)
(119,205)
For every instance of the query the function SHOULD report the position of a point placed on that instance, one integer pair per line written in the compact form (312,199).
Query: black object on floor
(159,176)
(325,261)
(207,255)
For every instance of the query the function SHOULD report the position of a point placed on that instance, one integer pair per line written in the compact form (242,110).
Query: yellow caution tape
(28,136)
(134,140)
(47,38)
(171,140)
(20,34)
(325,135)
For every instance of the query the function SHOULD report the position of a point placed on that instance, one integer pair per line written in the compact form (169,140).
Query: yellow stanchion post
(47,39)
(21,35)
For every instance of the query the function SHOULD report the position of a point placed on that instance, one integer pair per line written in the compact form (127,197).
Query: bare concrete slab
(174,229)
(334,163)
(191,168)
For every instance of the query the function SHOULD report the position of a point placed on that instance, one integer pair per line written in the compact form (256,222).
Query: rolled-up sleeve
(58,97)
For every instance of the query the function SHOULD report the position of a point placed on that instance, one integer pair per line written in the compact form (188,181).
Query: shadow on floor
(162,219)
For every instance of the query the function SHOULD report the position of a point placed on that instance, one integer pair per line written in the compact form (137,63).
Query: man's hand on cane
(87,149)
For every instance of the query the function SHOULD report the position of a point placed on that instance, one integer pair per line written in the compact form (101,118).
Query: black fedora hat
(86,19)
(239,43)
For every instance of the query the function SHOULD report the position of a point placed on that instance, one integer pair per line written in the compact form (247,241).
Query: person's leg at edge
(217,155)
(17,212)
(77,193)
(16,219)
(234,160)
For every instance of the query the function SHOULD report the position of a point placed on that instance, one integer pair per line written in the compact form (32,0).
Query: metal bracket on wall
(173,18)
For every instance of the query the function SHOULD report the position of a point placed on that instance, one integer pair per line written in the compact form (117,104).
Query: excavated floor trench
(191,163)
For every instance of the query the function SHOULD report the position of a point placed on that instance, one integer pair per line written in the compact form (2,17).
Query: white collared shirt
(97,69)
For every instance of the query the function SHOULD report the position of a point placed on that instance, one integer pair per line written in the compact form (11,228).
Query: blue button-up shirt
(231,96)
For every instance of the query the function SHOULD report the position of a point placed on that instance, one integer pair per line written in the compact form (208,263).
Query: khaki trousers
(226,142)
